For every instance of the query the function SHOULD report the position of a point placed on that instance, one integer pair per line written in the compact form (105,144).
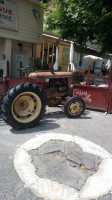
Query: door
(16,59)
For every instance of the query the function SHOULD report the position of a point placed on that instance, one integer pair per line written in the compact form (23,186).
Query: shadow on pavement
(2,122)
(60,115)
(55,115)
(49,122)
(43,125)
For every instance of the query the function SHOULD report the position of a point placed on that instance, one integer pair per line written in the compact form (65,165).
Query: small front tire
(74,107)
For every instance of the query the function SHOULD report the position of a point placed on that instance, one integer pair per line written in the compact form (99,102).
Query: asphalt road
(93,126)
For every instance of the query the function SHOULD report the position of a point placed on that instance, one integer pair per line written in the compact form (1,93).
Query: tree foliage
(82,21)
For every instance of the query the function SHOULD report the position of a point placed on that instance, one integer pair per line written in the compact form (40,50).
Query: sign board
(8,14)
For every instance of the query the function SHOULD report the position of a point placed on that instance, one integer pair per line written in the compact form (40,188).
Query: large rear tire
(23,106)
(74,107)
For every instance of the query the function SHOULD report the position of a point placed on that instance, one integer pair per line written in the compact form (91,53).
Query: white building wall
(29,29)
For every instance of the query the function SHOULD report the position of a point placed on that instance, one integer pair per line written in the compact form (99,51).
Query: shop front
(53,50)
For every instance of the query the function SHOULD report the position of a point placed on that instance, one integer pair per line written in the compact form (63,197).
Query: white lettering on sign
(8,14)
(84,95)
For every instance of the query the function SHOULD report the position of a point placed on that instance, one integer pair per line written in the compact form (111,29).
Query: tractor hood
(51,75)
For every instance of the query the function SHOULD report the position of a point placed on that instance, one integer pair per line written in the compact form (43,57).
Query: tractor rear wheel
(23,106)
(74,107)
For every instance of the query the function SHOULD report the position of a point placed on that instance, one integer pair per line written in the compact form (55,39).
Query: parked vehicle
(23,100)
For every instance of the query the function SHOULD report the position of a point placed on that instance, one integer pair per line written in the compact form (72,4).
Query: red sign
(8,14)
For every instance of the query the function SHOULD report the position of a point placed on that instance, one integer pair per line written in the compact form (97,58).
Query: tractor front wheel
(23,106)
(74,107)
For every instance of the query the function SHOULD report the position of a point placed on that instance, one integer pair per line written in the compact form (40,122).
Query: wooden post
(7,68)
(42,53)
(38,51)
(20,70)
(51,68)
(88,78)
(109,92)
(34,67)
(69,67)
(53,53)
(48,54)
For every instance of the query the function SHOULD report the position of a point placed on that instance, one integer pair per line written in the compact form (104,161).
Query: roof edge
(37,2)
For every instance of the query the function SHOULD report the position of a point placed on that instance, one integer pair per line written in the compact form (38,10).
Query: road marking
(97,185)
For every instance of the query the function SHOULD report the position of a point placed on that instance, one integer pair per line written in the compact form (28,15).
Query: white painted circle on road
(96,185)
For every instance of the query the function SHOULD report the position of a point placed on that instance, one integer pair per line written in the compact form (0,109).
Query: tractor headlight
(71,86)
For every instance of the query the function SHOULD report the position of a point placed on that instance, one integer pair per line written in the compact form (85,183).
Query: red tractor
(23,100)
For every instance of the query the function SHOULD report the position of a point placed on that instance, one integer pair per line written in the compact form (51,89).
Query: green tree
(82,21)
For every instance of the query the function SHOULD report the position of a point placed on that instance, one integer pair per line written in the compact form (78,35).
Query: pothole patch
(64,162)
(62,167)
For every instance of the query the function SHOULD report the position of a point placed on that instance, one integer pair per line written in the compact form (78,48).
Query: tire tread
(9,98)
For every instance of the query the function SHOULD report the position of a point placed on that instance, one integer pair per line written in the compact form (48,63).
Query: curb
(96,185)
